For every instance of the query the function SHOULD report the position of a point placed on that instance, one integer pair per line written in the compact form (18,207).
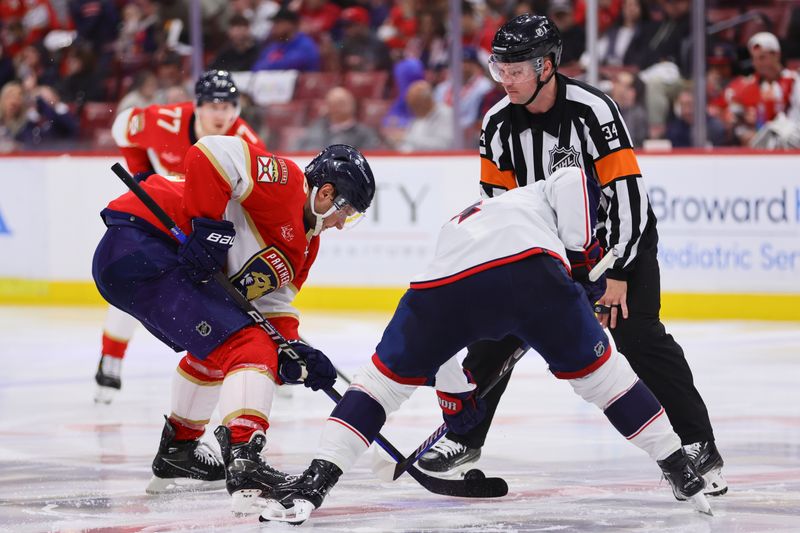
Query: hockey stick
(402,466)
(603,265)
(483,488)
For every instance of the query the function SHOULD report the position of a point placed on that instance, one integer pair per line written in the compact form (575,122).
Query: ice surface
(67,464)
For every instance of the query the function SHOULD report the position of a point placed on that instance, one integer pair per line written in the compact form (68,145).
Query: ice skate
(685,481)
(449,458)
(295,500)
(181,466)
(108,379)
(708,461)
(249,479)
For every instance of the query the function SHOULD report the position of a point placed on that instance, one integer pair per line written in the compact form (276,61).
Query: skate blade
(715,483)
(105,395)
(247,502)
(700,504)
(159,485)
(295,515)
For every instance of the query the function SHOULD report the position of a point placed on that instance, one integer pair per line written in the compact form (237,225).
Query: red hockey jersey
(157,137)
(263,195)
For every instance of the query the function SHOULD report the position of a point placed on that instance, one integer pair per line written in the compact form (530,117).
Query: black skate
(249,479)
(708,461)
(295,499)
(184,465)
(108,378)
(448,457)
(684,479)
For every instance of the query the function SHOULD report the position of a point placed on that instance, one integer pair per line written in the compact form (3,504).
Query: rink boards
(729,226)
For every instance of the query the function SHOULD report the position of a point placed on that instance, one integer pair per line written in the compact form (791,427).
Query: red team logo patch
(272,170)
(263,273)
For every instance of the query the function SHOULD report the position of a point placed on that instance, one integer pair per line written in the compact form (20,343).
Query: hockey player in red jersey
(156,139)
(257,217)
(502,267)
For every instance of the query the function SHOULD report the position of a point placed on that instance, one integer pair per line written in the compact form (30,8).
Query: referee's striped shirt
(583,128)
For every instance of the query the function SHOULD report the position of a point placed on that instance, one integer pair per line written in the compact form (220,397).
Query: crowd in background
(374,73)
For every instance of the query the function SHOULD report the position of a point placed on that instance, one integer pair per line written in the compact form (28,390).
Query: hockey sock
(195,391)
(351,428)
(246,400)
(114,347)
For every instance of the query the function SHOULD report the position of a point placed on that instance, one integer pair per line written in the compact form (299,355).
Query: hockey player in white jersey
(502,267)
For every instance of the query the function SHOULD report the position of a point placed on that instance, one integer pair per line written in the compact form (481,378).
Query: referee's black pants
(641,338)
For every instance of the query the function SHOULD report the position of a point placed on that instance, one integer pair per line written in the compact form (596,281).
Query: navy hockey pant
(533,299)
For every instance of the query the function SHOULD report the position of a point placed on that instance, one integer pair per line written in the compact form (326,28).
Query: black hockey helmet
(347,170)
(527,37)
(216,86)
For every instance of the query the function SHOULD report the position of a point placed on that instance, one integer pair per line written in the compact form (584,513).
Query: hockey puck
(474,475)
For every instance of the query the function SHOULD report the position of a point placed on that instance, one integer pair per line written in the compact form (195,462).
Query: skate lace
(449,448)
(206,455)
(693,450)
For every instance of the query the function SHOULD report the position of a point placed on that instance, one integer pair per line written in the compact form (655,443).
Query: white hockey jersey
(546,216)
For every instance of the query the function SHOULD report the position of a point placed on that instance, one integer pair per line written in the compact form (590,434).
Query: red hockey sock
(242,427)
(184,432)
(113,347)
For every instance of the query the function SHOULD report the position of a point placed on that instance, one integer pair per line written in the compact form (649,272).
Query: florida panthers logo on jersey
(263,273)
(272,170)
(563,158)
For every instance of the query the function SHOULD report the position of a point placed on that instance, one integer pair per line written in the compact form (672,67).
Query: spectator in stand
(143,91)
(170,73)
(430,42)
(339,125)
(138,38)
(432,126)
(494,15)
(607,14)
(679,128)
(614,45)
(175,95)
(34,64)
(53,123)
(7,71)
(98,24)
(80,83)
(719,73)
(396,121)
(241,50)
(573,36)
(361,49)
(399,26)
(769,94)
(287,47)
(666,40)
(318,17)
(628,92)
(15,124)
(475,86)
(258,12)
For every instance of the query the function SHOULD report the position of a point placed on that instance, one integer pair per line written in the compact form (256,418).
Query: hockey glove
(321,374)
(582,263)
(462,411)
(206,249)
(141,176)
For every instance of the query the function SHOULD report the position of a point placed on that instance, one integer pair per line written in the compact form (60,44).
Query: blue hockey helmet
(347,170)
(216,86)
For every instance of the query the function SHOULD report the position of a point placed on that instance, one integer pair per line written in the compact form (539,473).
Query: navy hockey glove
(462,411)
(582,263)
(141,176)
(206,249)
(321,374)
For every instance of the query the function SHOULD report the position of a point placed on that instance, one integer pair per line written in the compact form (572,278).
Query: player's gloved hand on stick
(582,263)
(141,176)
(462,411)
(321,373)
(206,249)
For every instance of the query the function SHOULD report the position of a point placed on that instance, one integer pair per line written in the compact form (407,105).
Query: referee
(546,122)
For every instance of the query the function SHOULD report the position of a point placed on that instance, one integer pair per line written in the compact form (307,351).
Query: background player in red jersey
(257,217)
(156,139)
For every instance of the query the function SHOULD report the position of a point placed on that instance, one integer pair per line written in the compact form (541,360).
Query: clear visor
(518,72)
(352,216)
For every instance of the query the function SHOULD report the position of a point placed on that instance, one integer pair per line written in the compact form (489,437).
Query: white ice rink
(67,464)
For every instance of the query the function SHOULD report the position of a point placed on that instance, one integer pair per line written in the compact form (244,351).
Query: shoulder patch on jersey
(563,158)
(135,124)
(272,169)
(265,272)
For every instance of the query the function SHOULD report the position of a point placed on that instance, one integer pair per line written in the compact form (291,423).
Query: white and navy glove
(321,373)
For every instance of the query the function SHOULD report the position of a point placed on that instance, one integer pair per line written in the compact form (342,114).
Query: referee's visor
(517,72)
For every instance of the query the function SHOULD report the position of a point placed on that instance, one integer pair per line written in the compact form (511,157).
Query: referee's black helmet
(527,37)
